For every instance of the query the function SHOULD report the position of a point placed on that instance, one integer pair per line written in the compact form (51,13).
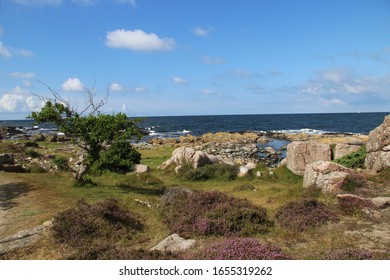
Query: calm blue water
(196,125)
(312,123)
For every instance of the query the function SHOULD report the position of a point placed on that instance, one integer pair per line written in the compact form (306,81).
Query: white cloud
(210,92)
(332,102)
(179,81)
(213,60)
(39,2)
(138,40)
(73,84)
(334,75)
(124,108)
(8,52)
(342,81)
(141,90)
(116,87)
(4,51)
(33,104)
(22,52)
(202,31)
(10,102)
(21,75)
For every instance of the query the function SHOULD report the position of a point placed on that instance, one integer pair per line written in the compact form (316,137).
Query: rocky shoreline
(233,147)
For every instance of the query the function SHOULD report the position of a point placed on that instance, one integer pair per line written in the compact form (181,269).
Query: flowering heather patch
(240,249)
(349,254)
(304,213)
(86,223)
(353,181)
(108,252)
(351,204)
(209,213)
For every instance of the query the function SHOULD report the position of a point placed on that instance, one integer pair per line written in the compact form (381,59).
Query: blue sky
(175,57)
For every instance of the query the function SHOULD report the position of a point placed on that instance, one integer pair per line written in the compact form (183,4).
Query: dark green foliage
(93,130)
(353,160)
(61,162)
(32,153)
(30,144)
(85,183)
(36,168)
(220,171)
(120,157)
(213,213)
(86,224)
(239,249)
(304,213)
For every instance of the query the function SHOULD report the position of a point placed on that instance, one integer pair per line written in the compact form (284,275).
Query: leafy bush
(304,213)
(219,171)
(214,213)
(32,153)
(240,249)
(61,162)
(36,168)
(31,144)
(85,224)
(349,254)
(120,157)
(353,160)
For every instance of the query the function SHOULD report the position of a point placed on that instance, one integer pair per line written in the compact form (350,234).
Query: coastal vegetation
(92,131)
(115,225)
(265,213)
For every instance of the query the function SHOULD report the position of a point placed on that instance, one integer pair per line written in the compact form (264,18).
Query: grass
(49,194)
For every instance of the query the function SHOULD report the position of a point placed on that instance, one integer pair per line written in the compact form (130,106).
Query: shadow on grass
(8,192)
(147,190)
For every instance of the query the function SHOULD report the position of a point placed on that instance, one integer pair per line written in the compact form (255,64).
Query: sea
(176,126)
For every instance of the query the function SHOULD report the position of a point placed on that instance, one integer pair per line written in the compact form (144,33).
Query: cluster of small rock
(232,153)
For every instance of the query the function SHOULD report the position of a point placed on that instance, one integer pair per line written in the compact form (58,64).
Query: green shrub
(30,144)
(32,153)
(353,160)
(220,171)
(61,162)
(120,157)
(36,168)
